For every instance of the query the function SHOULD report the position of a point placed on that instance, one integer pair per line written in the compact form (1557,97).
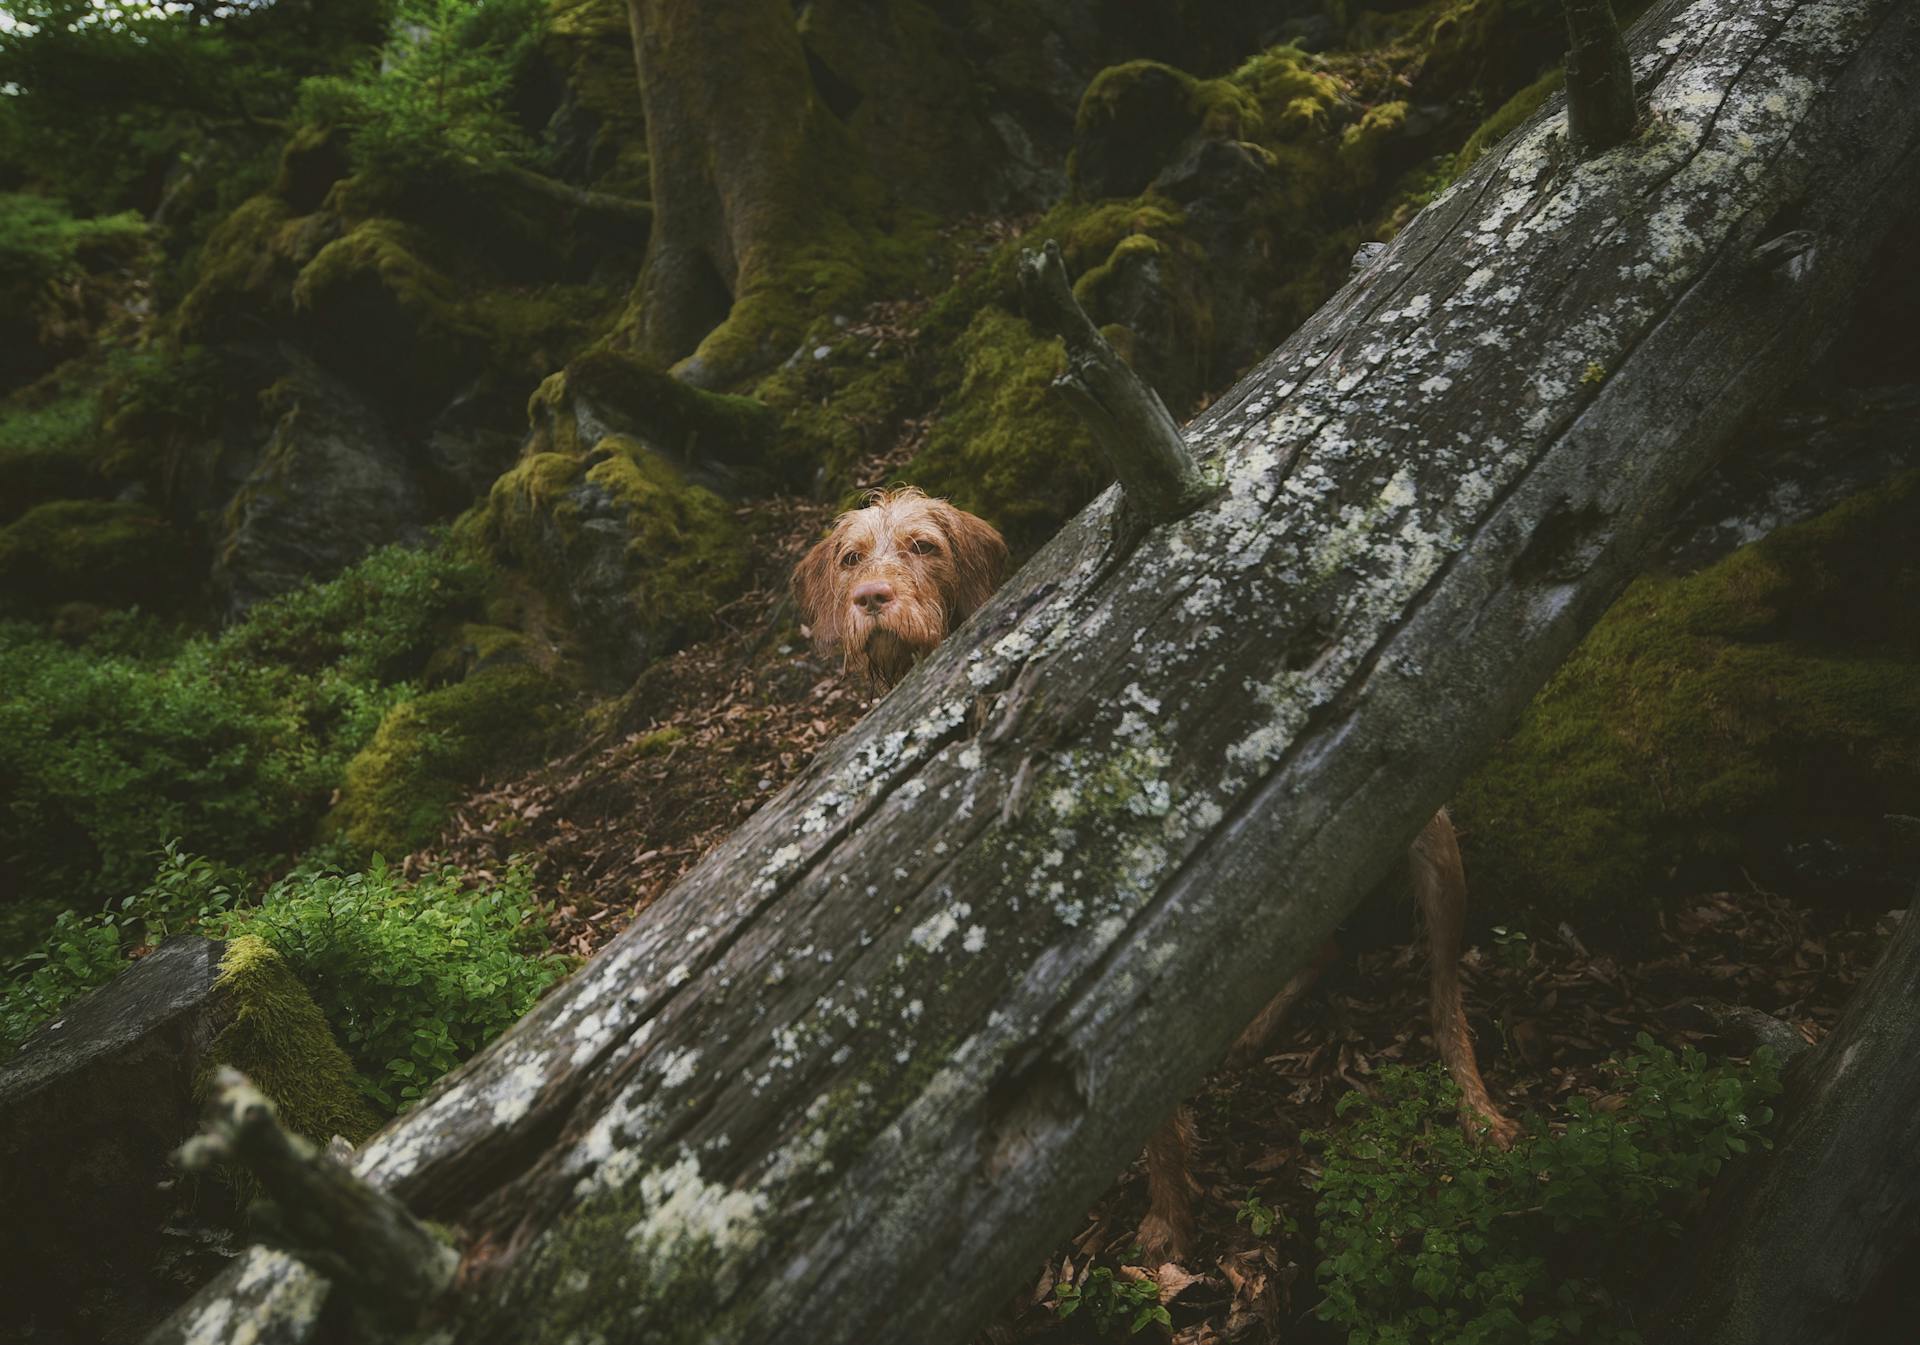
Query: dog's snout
(873,595)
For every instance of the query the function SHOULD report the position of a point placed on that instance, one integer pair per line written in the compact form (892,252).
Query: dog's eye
(922,547)
(852,558)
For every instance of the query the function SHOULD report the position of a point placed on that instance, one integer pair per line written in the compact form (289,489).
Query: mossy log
(1796,1247)
(871,1058)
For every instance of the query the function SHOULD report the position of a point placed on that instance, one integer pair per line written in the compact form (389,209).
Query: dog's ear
(979,557)
(816,589)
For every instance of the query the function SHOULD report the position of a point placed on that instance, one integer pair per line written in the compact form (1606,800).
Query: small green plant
(1511,946)
(437,94)
(1110,1300)
(1260,1218)
(1427,1237)
(77,955)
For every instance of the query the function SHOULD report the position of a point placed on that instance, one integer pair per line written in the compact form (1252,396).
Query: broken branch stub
(1601,107)
(365,1241)
(1129,421)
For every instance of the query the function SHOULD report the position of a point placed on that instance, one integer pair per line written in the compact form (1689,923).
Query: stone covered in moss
(101,551)
(1009,448)
(1710,721)
(277,1036)
(49,449)
(430,751)
(634,555)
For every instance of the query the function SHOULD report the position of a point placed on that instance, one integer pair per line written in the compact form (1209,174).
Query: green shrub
(47,450)
(414,976)
(1428,1237)
(1111,1301)
(40,239)
(236,742)
(437,94)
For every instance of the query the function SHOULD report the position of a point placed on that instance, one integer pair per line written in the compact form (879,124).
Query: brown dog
(894,579)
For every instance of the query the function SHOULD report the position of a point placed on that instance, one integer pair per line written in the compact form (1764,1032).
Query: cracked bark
(853,1077)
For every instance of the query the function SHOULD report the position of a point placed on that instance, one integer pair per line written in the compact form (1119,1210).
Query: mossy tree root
(1128,419)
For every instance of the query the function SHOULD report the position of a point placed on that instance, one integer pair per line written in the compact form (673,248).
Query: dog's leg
(1440,887)
(1248,1046)
(1167,1233)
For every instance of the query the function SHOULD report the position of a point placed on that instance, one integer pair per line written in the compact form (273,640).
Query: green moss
(430,751)
(102,551)
(1510,114)
(1007,447)
(47,450)
(1296,95)
(239,264)
(280,1040)
(615,536)
(1776,694)
(737,434)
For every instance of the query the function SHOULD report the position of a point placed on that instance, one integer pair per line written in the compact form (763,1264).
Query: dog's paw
(1165,1237)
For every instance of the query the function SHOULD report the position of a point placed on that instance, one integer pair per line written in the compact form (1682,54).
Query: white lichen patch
(690,1222)
(280,1300)
(514,1092)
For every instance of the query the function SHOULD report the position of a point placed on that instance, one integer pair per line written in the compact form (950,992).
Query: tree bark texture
(853,1077)
(749,169)
(1802,1239)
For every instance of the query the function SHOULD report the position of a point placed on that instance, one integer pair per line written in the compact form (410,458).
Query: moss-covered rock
(49,449)
(1008,448)
(1708,722)
(103,551)
(1134,118)
(430,751)
(635,555)
(277,1036)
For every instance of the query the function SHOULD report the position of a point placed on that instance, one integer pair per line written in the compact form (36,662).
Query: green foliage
(47,450)
(77,955)
(104,96)
(1427,1237)
(41,240)
(1260,1218)
(436,96)
(414,976)
(235,741)
(1110,1301)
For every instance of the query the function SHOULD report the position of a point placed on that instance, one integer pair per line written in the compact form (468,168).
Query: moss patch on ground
(99,551)
(280,1040)
(48,449)
(429,751)
(1774,695)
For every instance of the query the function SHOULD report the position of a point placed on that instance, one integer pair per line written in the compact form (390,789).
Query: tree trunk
(750,173)
(1798,1241)
(853,1077)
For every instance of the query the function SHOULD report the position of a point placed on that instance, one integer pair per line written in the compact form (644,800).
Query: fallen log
(867,1062)
(1799,1239)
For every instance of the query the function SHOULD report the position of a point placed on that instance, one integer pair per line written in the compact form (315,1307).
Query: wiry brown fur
(936,562)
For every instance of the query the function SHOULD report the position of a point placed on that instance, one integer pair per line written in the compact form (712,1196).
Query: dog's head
(893,579)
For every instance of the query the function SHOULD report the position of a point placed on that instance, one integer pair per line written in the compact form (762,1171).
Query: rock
(330,484)
(90,1110)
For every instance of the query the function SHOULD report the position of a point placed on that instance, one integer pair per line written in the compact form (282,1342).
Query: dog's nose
(873,595)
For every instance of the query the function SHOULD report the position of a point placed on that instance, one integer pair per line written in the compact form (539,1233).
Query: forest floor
(709,734)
